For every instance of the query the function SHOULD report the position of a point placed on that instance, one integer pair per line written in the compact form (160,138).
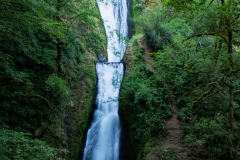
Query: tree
(44,46)
(220,20)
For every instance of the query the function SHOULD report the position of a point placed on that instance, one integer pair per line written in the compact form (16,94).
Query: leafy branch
(207,34)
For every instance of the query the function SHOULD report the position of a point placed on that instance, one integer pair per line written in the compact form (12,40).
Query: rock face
(102,58)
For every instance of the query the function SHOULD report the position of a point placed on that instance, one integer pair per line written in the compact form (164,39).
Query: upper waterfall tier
(114,14)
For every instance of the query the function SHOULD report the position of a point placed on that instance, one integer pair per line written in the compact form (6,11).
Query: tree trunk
(59,57)
(60,44)
(231,89)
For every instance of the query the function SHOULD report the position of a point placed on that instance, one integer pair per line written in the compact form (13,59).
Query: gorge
(103,136)
(172,94)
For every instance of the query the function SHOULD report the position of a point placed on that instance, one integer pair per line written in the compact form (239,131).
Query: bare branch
(211,86)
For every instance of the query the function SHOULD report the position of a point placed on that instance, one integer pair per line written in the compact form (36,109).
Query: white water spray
(104,134)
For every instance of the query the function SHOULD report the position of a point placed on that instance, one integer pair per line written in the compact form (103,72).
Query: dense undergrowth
(195,50)
(47,76)
(144,103)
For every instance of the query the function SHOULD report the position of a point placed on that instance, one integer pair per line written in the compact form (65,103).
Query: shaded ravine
(172,124)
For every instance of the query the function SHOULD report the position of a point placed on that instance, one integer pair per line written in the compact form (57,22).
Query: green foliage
(19,145)
(142,92)
(145,96)
(169,154)
(155,33)
(179,26)
(57,85)
(44,50)
(138,7)
(210,135)
(195,52)
(27,52)
(199,80)
(181,5)
(151,144)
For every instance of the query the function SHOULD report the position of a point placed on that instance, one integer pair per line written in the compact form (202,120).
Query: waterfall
(103,136)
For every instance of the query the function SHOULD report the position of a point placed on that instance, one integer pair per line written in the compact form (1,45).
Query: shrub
(210,135)
(169,154)
(20,146)
(156,35)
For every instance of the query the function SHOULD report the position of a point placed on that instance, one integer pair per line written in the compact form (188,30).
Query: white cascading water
(103,137)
